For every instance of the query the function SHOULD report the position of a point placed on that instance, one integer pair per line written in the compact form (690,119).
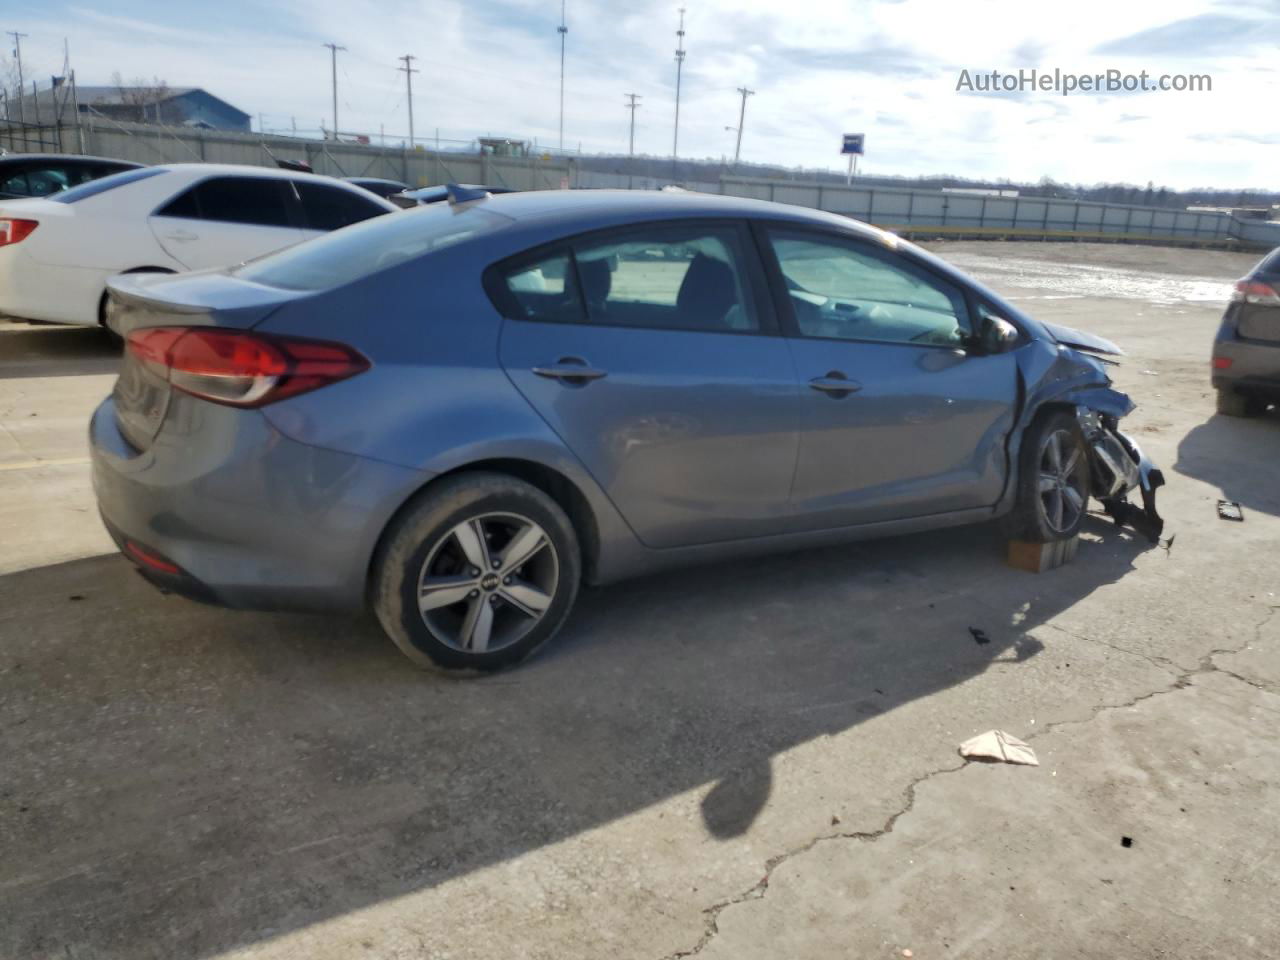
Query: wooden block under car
(1039,557)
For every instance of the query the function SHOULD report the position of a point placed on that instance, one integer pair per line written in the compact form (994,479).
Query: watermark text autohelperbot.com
(1031,80)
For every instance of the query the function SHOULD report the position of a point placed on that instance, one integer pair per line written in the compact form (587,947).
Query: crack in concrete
(1181,681)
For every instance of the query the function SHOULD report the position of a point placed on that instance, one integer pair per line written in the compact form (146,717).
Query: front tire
(476,574)
(1053,480)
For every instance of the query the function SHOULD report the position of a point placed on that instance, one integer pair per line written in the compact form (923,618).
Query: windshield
(102,185)
(364,248)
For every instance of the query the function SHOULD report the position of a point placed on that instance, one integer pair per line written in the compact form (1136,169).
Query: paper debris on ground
(998,745)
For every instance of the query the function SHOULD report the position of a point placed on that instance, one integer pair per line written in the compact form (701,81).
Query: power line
(333,50)
(742,115)
(409,71)
(563,30)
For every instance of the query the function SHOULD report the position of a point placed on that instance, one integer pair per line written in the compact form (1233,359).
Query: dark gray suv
(1246,351)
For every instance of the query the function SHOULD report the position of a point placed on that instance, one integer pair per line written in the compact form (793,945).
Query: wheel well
(102,301)
(551,482)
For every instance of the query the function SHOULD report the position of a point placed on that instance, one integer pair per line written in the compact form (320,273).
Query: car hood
(1071,337)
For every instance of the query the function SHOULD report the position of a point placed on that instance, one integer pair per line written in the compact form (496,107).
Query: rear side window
(378,244)
(545,290)
(95,187)
(663,276)
(331,208)
(258,201)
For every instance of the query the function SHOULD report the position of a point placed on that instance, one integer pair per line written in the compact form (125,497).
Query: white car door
(226,220)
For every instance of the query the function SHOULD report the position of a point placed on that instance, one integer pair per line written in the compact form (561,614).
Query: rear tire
(1053,480)
(476,574)
(1232,404)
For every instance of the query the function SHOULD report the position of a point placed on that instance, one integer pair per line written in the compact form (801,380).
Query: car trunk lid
(142,393)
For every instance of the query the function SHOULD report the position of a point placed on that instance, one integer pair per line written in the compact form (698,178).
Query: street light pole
(742,115)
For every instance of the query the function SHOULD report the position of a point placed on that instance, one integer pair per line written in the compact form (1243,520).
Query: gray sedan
(457,415)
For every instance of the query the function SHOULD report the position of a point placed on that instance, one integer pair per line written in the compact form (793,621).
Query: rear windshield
(95,187)
(354,252)
(1270,263)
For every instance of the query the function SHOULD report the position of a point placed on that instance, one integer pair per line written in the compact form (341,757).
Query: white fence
(936,213)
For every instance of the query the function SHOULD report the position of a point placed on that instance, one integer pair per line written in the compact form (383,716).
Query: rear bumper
(248,517)
(1255,367)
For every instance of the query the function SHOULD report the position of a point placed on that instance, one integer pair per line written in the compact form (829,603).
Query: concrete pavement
(752,760)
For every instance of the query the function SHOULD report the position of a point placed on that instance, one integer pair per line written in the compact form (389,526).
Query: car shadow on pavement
(181,780)
(56,351)
(1239,456)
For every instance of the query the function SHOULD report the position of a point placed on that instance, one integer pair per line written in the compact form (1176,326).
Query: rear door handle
(572,370)
(182,236)
(835,384)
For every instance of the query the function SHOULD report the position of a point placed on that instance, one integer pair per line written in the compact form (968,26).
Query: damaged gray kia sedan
(457,415)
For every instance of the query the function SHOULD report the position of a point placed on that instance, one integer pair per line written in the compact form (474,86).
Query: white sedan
(57,253)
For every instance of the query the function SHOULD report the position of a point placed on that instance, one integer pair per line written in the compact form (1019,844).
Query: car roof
(62,158)
(245,170)
(605,206)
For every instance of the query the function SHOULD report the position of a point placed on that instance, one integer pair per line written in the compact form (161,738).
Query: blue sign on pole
(853,144)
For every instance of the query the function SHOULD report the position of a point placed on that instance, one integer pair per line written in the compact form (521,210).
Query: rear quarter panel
(436,398)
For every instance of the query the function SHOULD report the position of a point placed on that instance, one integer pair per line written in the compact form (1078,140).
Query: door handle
(835,384)
(570,370)
(182,236)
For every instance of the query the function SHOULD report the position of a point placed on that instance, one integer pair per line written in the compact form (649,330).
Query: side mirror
(998,335)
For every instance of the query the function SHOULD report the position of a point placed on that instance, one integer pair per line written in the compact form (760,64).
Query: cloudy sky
(888,69)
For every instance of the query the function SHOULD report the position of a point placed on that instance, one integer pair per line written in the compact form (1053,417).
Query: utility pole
(409,71)
(563,30)
(633,107)
(675,139)
(333,50)
(17,54)
(742,115)
(631,143)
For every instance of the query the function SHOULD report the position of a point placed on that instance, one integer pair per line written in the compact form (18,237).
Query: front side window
(258,201)
(844,290)
(331,208)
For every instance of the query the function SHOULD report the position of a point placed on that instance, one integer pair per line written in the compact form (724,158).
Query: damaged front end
(1118,466)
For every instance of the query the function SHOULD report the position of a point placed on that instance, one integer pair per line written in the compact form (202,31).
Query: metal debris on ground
(1126,842)
(979,635)
(1167,544)
(998,746)
(1230,510)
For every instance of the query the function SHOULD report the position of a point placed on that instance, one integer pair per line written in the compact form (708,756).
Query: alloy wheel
(487,582)
(1062,483)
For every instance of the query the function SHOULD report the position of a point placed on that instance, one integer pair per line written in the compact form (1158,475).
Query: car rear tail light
(15,231)
(1252,291)
(1222,363)
(239,368)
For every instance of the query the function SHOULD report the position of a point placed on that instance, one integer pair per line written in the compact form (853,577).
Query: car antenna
(459,194)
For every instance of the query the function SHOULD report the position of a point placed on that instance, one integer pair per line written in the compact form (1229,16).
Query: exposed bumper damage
(1118,465)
